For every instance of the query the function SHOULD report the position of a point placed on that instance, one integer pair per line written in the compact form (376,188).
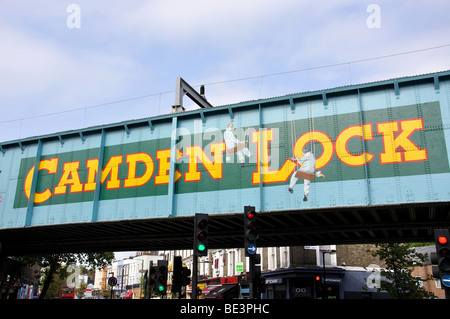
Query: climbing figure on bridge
(307,171)
(233,145)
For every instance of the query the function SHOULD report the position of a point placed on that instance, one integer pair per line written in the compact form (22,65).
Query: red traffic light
(202,223)
(442,240)
(251,219)
(317,278)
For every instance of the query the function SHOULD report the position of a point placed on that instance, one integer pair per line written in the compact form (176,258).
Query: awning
(205,290)
(227,291)
(208,289)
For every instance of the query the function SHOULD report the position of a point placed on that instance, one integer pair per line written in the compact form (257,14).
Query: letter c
(49,165)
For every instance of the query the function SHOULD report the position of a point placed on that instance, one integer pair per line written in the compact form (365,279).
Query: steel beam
(98,178)
(181,88)
(30,206)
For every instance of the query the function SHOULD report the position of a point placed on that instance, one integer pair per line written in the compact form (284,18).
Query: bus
(69,293)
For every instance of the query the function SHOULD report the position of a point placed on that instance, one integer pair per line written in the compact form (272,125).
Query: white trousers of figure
(241,155)
(306,183)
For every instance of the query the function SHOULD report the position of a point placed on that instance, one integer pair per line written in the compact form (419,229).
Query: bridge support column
(173,161)
(30,206)
(98,178)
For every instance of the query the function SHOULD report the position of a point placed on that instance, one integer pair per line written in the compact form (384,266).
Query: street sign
(251,249)
(446,280)
(112,281)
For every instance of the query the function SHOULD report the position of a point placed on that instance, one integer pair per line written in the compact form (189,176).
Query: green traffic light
(201,247)
(161,288)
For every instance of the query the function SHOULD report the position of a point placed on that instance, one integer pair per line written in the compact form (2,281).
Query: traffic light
(250,231)
(442,257)
(199,291)
(256,281)
(248,277)
(185,276)
(176,275)
(152,278)
(161,277)
(261,284)
(318,286)
(201,235)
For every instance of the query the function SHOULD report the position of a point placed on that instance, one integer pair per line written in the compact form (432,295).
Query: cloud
(47,71)
(175,20)
(241,50)
(27,63)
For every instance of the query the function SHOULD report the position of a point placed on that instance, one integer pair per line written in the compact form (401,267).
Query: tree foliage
(397,277)
(56,264)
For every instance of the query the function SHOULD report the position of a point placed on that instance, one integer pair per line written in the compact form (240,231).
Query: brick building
(425,273)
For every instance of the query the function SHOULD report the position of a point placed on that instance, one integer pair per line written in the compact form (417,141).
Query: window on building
(231,254)
(272,258)
(438,283)
(284,257)
(419,281)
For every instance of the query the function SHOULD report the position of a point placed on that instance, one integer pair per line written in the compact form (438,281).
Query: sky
(121,255)
(67,65)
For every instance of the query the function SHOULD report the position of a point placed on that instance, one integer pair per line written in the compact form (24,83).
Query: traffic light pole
(252,292)
(194,276)
(254,276)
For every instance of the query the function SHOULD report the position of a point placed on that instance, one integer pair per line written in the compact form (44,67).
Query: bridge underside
(397,223)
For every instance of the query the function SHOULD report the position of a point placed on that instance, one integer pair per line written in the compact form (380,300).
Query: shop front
(303,283)
(207,285)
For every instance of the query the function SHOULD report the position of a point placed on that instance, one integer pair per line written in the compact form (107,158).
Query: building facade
(292,272)
(300,272)
(129,273)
